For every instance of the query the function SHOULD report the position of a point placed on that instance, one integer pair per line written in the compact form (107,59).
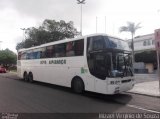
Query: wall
(150,67)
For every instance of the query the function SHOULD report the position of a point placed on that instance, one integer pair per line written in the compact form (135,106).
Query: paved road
(19,96)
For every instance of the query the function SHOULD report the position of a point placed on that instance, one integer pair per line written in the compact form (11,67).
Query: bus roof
(67,40)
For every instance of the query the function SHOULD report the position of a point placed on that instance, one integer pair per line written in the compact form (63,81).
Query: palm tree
(132,28)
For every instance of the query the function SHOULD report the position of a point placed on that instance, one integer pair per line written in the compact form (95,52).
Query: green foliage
(7,57)
(146,57)
(131,27)
(49,31)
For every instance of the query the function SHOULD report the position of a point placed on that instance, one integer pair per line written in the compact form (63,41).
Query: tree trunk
(133,56)
(133,48)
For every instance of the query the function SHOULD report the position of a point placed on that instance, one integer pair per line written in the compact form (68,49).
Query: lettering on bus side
(43,62)
(57,62)
(53,62)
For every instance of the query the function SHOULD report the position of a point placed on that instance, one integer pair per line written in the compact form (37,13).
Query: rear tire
(25,76)
(77,85)
(30,77)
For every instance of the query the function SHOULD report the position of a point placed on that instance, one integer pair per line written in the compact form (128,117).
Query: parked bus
(97,63)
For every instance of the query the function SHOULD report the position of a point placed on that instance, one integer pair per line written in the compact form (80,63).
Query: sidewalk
(11,75)
(147,88)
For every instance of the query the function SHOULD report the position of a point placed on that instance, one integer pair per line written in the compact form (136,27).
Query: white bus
(97,63)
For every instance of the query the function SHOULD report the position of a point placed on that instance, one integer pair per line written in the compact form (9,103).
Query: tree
(132,28)
(49,31)
(7,57)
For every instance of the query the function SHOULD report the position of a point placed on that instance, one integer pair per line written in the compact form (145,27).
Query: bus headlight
(116,90)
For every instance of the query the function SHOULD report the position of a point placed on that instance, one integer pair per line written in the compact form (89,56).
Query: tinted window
(19,55)
(43,52)
(98,43)
(23,56)
(89,44)
(73,48)
(113,42)
(95,43)
(50,52)
(29,55)
(116,43)
(149,42)
(144,43)
(79,47)
(70,49)
(60,50)
(36,55)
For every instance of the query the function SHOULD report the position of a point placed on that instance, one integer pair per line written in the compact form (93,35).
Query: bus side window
(98,43)
(36,55)
(95,43)
(60,50)
(31,55)
(19,55)
(28,56)
(89,44)
(23,56)
(43,53)
(89,54)
(70,49)
(79,47)
(49,51)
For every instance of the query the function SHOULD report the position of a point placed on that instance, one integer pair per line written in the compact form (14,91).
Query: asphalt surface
(18,96)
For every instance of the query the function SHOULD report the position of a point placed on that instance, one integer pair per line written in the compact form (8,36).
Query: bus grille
(126,81)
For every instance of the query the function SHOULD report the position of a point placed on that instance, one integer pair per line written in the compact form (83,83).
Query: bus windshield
(115,43)
(121,64)
(108,57)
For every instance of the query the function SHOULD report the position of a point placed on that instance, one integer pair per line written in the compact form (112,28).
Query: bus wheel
(30,77)
(77,85)
(25,76)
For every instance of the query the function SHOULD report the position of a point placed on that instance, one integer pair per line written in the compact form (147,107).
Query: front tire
(78,85)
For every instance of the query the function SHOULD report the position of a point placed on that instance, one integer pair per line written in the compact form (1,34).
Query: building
(141,45)
(145,42)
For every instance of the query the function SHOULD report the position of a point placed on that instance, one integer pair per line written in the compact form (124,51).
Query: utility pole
(81,2)
(23,29)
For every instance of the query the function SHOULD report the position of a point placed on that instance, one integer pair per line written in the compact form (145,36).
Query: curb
(11,77)
(156,96)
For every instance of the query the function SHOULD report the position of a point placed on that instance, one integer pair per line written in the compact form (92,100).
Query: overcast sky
(16,14)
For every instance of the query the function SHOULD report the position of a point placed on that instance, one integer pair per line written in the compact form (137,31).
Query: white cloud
(11,22)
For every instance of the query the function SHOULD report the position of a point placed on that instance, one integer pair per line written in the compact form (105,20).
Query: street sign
(157,38)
